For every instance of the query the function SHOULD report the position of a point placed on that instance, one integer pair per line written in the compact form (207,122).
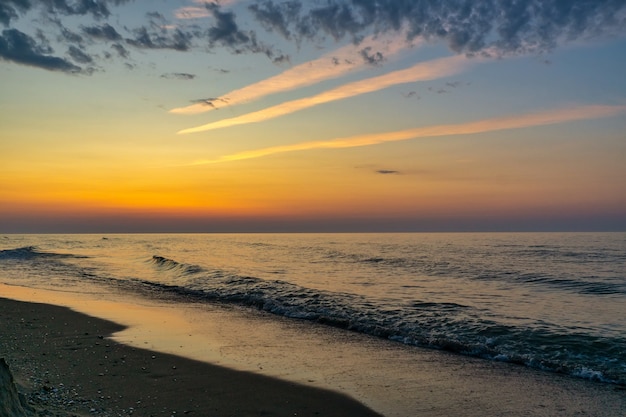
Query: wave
(32,252)
(167,264)
(444,326)
(450,326)
(581,286)
(586,285)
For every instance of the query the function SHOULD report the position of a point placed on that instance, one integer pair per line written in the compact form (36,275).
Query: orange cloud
(199,12)
(191,12)
(331,65)
(488,125)
(424,71)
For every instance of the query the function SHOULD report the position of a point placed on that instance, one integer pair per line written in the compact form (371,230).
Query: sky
(312,116)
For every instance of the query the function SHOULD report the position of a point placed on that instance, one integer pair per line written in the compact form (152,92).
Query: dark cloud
(371,58)
(20,48)
(155,16)
(276,17)
(79,56)
(147,38)
(11,9)
(336,19)
(121,51)
(178,76)
(69,36)
(221,70)
(227,33)
(467,26)
(43,45)
(209,101)
(35,50)
(387,172)
(412,94)
(104,32)
(497,27)
(281,59)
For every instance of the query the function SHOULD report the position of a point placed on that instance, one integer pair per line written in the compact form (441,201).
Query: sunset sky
(325,115)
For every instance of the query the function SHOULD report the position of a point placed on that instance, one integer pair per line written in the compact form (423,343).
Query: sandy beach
(68,362)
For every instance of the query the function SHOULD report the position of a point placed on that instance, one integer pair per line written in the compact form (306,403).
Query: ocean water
(551,301)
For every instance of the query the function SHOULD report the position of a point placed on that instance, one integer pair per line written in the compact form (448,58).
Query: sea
(550,301)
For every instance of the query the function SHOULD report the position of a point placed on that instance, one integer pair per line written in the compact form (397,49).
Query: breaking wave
(167,264)
(445,326)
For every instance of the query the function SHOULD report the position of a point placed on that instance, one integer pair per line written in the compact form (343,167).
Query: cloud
(201,11)
(178,76)
(332,65)
(121,51)
(226,32)
(71,37)
(276,17)
(372,58)
(467,26)
(192,12)
(160,39)
(11,9)
(18,47)
(387,172)
(430,70)
(221,3)
(104,32)
(99,9)
(79,56)
(473,27)
(487,125)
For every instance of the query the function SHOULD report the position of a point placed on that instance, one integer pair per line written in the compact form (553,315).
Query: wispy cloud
(430,70)
(192,12)
(178,76)
(201,11)
(549,117)
(332,65)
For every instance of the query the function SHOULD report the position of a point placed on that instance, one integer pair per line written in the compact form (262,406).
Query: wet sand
(66,362)
(47,346)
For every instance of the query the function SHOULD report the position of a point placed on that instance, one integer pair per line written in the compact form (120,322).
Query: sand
(65,362)
(61,357)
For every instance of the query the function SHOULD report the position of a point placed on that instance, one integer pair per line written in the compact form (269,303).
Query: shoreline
(66,362)
(390,378)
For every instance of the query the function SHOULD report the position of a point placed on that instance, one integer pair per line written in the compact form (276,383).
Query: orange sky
(103,132)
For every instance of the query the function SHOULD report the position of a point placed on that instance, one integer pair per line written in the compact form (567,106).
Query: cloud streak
(430,70)
(550,117)
(332,65)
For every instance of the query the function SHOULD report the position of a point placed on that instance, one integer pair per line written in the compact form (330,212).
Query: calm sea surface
(551,301)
